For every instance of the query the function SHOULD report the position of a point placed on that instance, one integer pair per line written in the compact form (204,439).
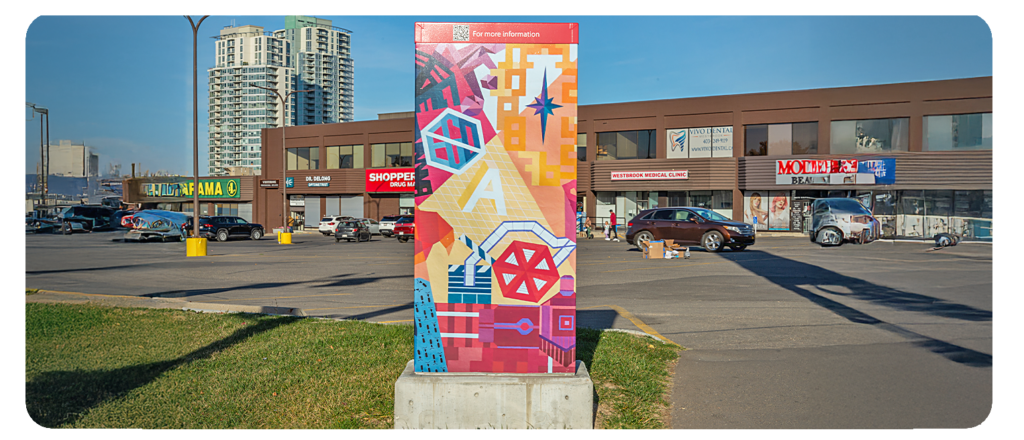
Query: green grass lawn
(103,367)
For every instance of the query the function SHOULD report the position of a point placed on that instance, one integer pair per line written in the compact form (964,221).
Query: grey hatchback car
(352,230)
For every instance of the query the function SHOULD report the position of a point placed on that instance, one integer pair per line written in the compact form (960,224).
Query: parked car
(352,230)
(153,224)
(123,218)
(405,228)
(689,226)
(35,225)
(374,225)
(387,224)
(838,220)
(89,217)
(330,223)
(224,227)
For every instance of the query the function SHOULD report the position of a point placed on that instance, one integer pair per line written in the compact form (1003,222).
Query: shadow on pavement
(372,314)
(795,276)
(57,398)
(335,281)
(596,319)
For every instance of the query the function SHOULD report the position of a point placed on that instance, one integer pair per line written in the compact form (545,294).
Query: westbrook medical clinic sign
(651,175)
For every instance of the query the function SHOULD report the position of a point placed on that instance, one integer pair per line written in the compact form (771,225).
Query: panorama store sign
(879,171)
(391,180)
(208,189)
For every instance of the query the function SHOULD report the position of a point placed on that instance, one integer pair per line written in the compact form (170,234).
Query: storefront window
(203,208)
(958,132)
(805,138)
(304,158)
(755,140)
(581,147)
(346,156)
(230,209)
(870,136)
(621,145)
(391,155)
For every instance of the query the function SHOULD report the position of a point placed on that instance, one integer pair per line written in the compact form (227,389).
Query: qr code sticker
(460,32)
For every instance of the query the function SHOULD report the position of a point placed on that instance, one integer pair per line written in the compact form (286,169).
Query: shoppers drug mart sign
(391,180)
(650,175)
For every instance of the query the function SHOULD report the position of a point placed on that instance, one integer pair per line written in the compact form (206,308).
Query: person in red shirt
(615,226)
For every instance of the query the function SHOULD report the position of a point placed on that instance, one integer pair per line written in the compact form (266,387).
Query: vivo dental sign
(650,175)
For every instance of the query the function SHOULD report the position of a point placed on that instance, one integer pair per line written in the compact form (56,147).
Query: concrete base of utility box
(494,401)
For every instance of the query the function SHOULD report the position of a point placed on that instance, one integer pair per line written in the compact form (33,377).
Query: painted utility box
(495,165)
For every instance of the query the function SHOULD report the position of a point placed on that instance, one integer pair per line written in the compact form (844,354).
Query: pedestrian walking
(615,226)
(607,230)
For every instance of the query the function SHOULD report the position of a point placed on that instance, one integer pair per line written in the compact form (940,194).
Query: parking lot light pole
(284,151)
(200,244)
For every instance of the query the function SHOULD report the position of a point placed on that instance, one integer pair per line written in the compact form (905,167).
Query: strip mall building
(919,155)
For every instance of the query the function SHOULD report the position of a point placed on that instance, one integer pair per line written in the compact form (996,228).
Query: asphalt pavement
(786,334)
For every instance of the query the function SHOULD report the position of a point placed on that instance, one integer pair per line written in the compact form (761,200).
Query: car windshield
(711,215)
(405,220)
(847,205)
(389,218)
(327,219)
(350,224)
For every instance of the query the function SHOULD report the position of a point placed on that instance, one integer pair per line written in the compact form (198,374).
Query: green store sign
(208,189)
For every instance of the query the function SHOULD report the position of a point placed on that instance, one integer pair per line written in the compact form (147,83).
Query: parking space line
(90,294)
(637,322)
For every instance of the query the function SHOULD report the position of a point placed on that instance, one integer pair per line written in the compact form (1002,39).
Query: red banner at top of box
(543,33)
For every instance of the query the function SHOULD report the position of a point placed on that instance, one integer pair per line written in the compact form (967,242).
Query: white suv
(328,224)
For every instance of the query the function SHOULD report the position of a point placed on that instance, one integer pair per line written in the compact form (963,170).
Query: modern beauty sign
(495,192)
(879,171)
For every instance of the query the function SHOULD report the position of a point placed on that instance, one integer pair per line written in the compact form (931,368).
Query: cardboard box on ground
(666,248)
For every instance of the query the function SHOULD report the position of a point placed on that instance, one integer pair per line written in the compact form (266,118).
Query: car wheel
(256,234)
(222,235)
(337,240)
(830,237)
(642,237)
(712,241)
(738,248)
(403,240)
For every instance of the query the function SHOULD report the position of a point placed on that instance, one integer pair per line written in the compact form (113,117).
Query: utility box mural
(495,168)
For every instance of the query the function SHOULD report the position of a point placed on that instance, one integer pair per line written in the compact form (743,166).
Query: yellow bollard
(284,238)
(195,247)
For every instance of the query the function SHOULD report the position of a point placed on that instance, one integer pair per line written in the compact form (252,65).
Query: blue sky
(123,84)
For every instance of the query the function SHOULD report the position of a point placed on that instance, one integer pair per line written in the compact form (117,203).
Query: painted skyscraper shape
(309,54)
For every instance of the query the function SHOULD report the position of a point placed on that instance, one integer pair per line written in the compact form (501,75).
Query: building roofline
(790,91)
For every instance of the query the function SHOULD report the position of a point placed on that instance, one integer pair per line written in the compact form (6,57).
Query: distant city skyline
(123,84)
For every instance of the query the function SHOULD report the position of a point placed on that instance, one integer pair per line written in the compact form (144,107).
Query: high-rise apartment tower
(308,54)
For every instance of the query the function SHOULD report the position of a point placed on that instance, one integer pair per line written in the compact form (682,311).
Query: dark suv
(224,227)
(690,226)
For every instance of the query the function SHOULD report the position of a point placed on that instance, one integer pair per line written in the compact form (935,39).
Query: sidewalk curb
(52,296)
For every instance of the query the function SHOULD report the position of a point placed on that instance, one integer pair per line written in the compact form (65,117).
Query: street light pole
(284,151)
(195,127)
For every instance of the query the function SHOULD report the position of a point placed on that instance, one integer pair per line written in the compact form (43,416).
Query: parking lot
(783,335)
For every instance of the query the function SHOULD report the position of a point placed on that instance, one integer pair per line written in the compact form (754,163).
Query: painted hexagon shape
(525,271)
(453,141)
